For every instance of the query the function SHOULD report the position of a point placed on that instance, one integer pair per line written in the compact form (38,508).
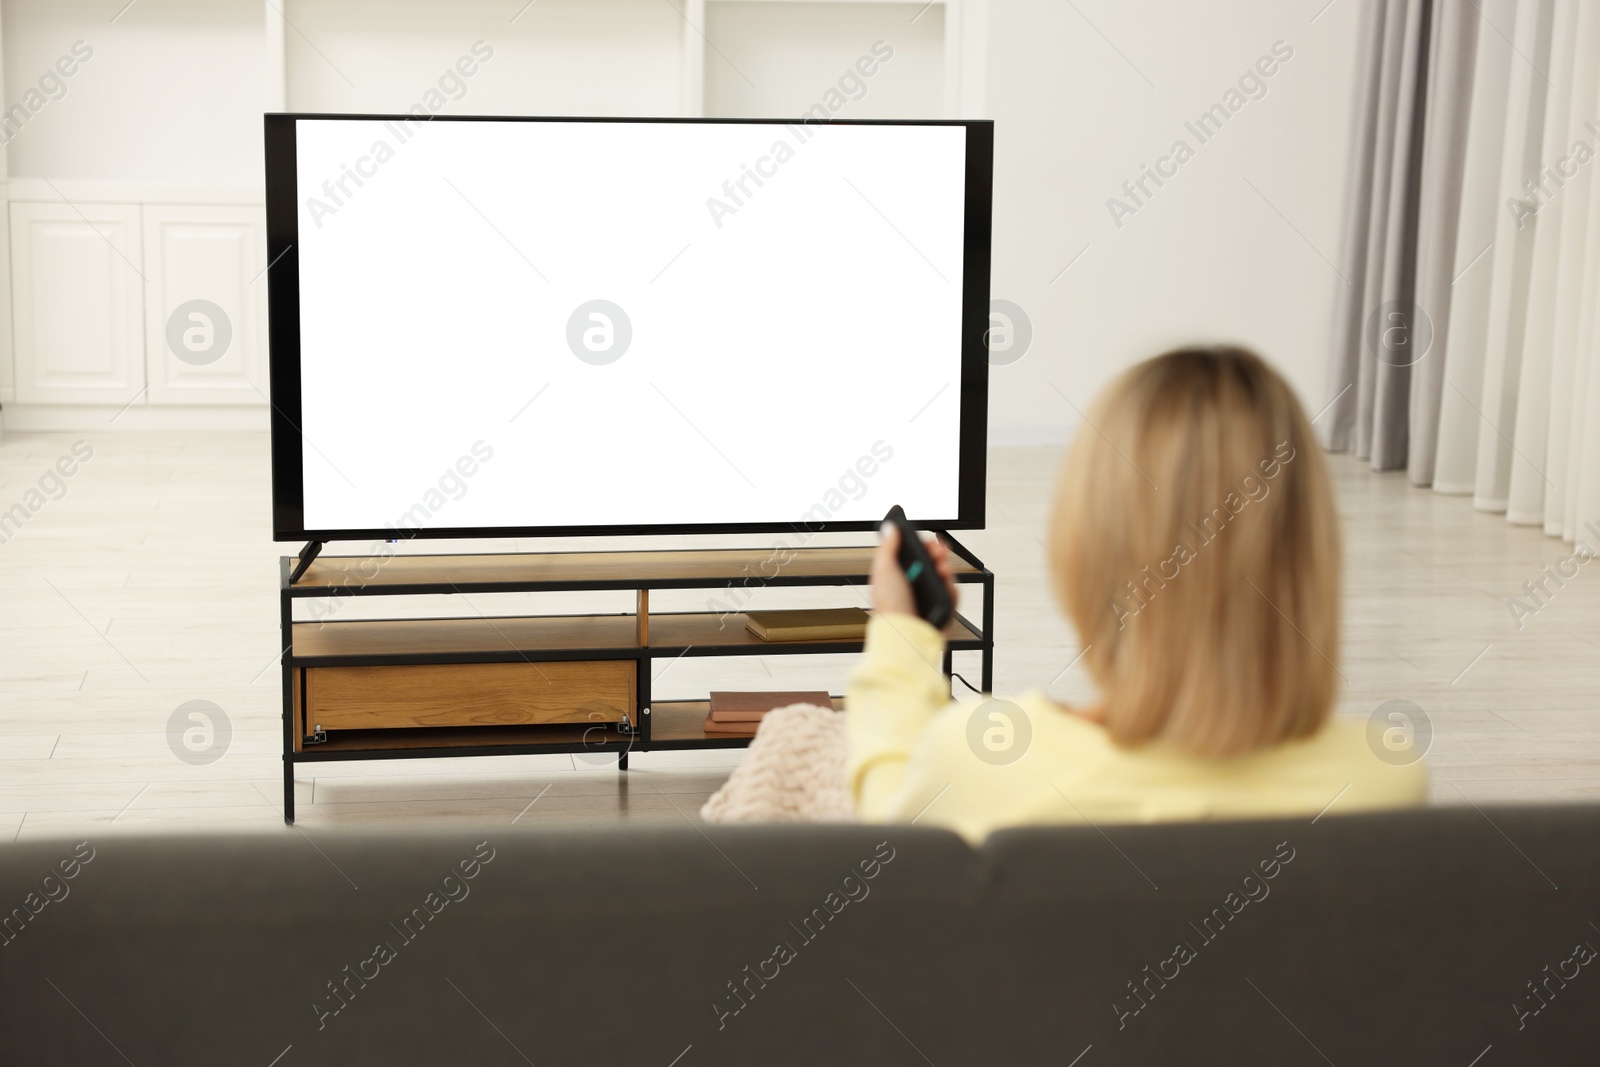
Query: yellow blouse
(977,766)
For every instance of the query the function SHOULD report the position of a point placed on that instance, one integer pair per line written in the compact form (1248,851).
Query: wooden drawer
(469,694)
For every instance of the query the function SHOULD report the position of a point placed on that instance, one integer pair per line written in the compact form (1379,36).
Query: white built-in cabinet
(119,303)
(134,195)
(205,307)
(77,303)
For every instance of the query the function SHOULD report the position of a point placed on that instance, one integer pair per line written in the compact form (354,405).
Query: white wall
(1207,257)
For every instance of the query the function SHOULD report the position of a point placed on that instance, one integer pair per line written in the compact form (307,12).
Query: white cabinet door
(205,304)
(77,305)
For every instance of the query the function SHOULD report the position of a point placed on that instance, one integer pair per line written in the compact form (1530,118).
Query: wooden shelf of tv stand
(676,724)
(511,639)
(663,569)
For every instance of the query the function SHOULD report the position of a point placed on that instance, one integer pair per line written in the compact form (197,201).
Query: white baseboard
(24,418)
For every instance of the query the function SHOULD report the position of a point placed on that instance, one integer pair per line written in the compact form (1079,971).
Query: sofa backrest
(1416,937)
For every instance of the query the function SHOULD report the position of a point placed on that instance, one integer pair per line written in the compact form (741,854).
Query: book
(809,624)
(731,729)
(750,708)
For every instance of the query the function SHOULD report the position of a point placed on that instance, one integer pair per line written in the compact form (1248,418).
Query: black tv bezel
(283,319)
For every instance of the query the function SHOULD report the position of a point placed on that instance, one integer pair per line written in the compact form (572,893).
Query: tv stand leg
(622,762)
(988,634)
(288,791)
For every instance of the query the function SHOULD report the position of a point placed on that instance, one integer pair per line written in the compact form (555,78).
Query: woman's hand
(891,593)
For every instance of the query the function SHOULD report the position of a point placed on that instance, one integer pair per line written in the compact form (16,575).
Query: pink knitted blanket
(792,772)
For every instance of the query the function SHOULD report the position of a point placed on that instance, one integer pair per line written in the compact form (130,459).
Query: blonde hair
(1195,547)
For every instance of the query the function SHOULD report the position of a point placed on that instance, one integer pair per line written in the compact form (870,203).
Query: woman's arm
(898,688)
(893,696)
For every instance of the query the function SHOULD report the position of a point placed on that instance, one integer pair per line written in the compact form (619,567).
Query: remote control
(934,602)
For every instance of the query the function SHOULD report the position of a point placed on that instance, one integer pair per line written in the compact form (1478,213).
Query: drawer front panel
(469,694)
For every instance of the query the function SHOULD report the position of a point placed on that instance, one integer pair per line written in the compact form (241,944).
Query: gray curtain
(1444,153)
(1467,343)
(1386,373)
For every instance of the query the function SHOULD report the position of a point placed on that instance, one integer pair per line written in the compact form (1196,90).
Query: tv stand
(405,688)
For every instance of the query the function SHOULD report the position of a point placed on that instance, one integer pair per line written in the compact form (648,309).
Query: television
(486,326)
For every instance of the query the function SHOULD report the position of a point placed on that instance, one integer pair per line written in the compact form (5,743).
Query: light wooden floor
(152,582)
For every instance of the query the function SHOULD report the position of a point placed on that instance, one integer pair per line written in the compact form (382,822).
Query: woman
(1195,547)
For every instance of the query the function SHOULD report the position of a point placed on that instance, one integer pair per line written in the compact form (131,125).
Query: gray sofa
(1439,937)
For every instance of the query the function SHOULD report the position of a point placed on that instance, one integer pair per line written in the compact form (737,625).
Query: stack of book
(738,714)
(808,624)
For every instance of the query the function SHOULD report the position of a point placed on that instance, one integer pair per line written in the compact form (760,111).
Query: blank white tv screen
(576,325)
